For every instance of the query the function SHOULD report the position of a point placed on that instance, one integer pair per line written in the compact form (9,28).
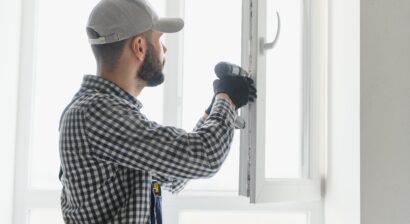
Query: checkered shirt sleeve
(122,135)
(174,185)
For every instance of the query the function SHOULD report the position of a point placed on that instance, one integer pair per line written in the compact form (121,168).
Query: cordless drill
(223,69)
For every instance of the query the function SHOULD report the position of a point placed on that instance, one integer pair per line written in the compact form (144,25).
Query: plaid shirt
(110,152)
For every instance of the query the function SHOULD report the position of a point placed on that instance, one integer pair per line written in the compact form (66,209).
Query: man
(113,159)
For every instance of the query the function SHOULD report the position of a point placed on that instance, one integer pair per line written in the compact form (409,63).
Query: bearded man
(114,160)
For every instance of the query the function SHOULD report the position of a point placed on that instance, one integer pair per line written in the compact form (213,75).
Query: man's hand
(240,89)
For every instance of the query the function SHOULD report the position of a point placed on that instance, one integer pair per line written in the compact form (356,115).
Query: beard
(151,69)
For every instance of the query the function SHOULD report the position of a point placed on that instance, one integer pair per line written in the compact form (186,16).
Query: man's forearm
(219,96)
(225,96)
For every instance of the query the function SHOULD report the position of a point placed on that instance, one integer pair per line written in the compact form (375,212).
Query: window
(56,55)
(281,146)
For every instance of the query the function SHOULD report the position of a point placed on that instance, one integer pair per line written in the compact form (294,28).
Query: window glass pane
(62,57)
(46,216)
(207,41)
(284,90)
(241,217)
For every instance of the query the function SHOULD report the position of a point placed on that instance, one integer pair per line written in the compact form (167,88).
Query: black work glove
(252,90)
(239,88)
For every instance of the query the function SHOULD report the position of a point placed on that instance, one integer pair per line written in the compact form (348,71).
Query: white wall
(342,197)
(385,112)
(9,67)
(368,176)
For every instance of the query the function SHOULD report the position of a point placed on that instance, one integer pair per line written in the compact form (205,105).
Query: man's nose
(164,48)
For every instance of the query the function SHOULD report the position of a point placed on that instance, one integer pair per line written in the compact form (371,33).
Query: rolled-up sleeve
(120,134)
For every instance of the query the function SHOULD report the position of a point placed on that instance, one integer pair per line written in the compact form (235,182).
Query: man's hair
(106,55)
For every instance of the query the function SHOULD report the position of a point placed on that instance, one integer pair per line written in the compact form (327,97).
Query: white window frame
(26,199)
(174,86)
(252,177)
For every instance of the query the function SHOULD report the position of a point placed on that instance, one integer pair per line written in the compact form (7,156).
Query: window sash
(252,177)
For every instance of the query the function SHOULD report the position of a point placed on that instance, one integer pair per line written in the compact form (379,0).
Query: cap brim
(169,25)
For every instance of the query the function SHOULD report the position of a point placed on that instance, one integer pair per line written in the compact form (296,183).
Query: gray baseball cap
(116,20)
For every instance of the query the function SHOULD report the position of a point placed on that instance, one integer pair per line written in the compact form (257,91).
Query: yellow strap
(156,186)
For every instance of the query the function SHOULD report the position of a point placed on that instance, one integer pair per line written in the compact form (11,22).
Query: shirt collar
(102,85)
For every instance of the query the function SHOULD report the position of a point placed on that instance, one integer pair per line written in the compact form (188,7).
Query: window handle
(269,45)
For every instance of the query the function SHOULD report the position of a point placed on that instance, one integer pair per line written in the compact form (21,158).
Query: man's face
(153,64)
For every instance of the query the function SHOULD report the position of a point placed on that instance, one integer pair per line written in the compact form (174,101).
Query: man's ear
(138,46)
